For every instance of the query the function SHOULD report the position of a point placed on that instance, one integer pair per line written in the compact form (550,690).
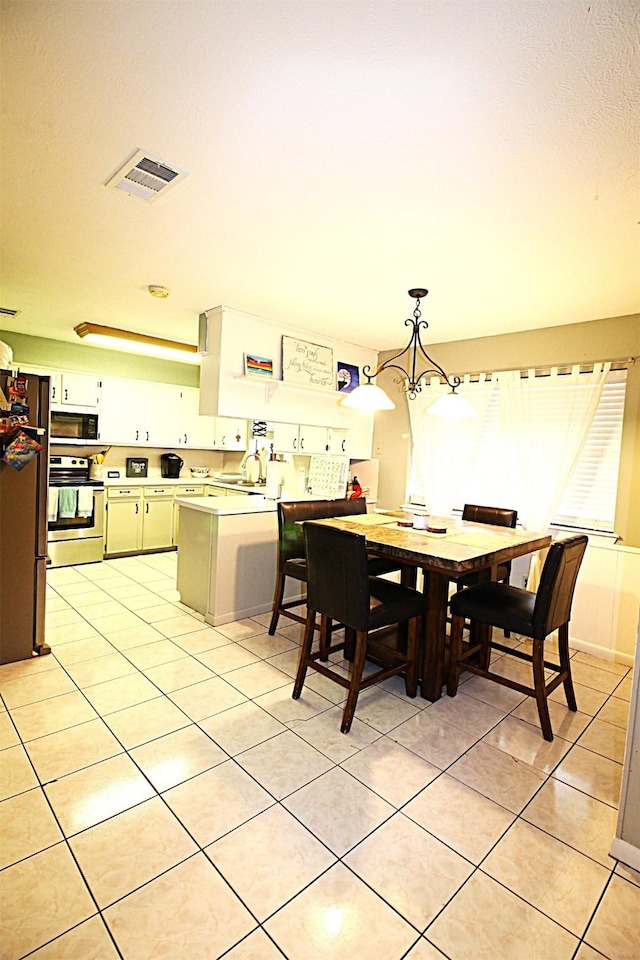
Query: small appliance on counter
(170,464)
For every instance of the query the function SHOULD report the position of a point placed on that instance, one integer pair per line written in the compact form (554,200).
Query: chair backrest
(290,513)
(557,582)
(337,575)
(496,515)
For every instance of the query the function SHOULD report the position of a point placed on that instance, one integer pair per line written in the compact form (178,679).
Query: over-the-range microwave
(74,426)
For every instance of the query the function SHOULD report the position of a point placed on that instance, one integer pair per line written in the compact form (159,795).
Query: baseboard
(625,852)
(602,653)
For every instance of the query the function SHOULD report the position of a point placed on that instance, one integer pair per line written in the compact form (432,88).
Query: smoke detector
(157,291)
(146,176)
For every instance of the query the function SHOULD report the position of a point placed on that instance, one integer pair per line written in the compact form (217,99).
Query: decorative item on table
(255,366)
(21,451)
(307,364)
(356,490)
(137,466)
(347,377)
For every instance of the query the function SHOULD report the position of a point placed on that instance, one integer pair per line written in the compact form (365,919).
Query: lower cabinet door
(124,526)
(157,525)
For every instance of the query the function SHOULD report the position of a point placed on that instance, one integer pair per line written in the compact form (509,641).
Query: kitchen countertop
(180,482)
(227,506)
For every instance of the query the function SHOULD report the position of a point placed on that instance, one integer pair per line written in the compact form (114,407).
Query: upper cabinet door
(120,417)
(76,390)
(313,440)
(338,442)
(196,430)
(285,438)
(230,433)
(139,412)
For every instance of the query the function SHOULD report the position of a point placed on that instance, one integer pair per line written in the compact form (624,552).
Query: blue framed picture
(347,377)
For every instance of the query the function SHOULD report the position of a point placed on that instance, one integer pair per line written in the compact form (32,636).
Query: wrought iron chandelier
(369,397)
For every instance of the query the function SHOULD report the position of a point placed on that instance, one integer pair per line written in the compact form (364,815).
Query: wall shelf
(278,384)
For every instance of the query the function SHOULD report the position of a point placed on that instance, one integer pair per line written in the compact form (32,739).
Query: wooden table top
(465,546)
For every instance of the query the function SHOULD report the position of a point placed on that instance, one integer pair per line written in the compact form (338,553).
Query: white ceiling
(339,153)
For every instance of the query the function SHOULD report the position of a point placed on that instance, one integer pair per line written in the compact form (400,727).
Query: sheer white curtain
(443,449)
(545,422)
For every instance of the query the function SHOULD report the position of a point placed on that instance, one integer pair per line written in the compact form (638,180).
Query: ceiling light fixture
(156,290)
(368,397)
(117,339)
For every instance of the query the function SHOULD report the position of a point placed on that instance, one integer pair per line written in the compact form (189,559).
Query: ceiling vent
(146,177)
(7,312)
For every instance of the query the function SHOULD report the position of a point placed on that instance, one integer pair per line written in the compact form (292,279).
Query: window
(590,500)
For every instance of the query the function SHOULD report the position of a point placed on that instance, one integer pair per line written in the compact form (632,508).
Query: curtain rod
(563,368)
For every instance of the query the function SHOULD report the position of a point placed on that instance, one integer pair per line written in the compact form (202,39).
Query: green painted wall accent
(43,352)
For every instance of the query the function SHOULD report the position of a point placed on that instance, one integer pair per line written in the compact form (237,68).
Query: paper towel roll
(273,487)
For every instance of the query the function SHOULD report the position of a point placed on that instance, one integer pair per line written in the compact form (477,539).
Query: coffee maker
(170,464)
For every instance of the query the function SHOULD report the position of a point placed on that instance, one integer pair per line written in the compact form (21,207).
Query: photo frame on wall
(255,366)
(347,377)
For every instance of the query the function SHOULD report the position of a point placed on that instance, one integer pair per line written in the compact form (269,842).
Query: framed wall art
(307,364)
(255,366)
(347,377)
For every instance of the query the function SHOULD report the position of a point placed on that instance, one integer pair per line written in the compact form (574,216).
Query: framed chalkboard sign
(307,364)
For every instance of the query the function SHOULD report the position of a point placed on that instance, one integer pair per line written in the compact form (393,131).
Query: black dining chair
(499,517)
(340,589)
(291,550)
(533,615)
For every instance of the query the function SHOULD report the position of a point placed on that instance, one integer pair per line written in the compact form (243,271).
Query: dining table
(464,547)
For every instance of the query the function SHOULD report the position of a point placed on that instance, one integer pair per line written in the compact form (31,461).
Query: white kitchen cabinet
(196,431)
(68,389)
(157,518)
(308,440)
(285,438)
(312,440)
(338,442)
(124,515)
(139,413)
(194,490)
(230,433)
(77,390)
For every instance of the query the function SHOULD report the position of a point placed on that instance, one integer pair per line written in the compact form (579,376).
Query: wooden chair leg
(277,601)
(482,632)
(411,673)
(349,644)
(356,680)
(305,651)
(565,664)
(455,650)
(325,637)
(540,689)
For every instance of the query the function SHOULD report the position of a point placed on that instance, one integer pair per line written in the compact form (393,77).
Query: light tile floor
(162,796)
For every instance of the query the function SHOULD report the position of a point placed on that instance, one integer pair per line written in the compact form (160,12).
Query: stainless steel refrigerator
(23,535)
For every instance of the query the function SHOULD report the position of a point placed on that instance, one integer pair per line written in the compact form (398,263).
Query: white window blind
(590,500)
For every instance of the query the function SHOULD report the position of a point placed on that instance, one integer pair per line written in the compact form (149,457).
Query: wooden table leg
(436,588)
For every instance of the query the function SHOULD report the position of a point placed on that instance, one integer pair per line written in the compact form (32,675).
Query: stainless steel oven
(75,513)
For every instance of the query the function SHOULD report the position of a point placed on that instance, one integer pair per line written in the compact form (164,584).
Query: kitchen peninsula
(227,554)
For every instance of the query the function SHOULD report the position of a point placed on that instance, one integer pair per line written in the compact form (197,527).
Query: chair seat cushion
(497,603)
(296,568)
(469,579)
(380,565)
(392,603)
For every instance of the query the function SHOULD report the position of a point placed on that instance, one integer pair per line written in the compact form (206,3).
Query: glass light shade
(451,406)
(368,398)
